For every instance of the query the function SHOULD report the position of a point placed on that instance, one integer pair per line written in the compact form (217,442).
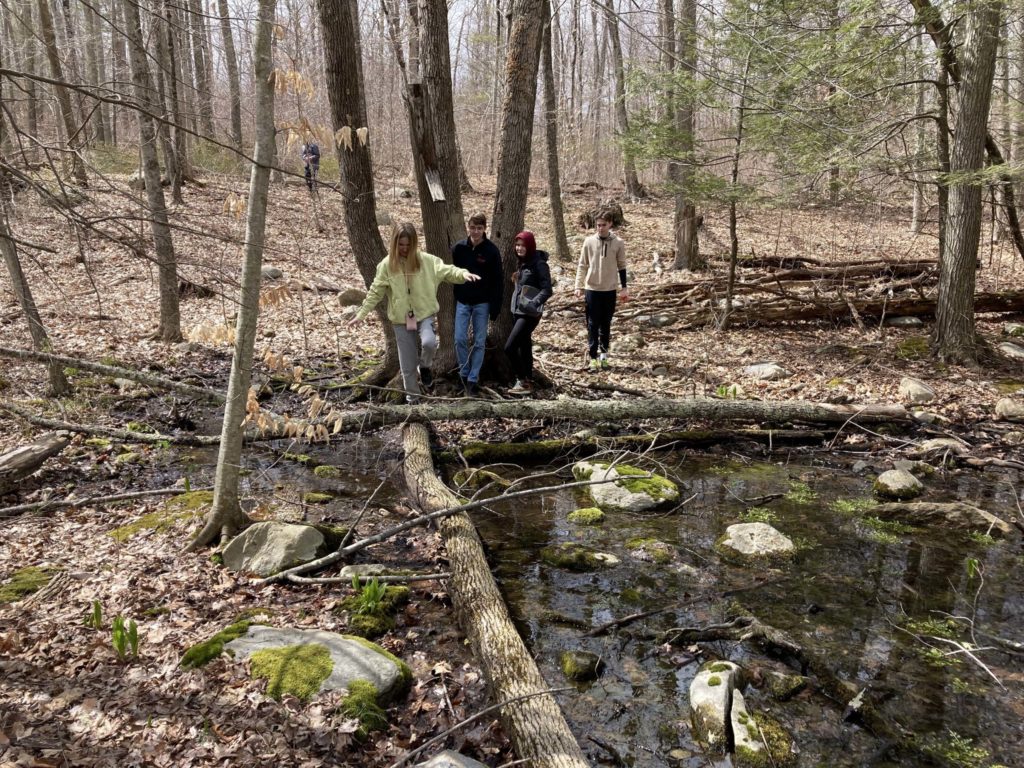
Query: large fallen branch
(127,435)
(797,308)
(26,459)
(536,726)
(569,409)
(149,379)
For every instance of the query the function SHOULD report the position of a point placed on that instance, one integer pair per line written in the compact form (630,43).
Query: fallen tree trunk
(21,462)
(543,450)
(149,379)
(568,409)
(536,725)
(819,308)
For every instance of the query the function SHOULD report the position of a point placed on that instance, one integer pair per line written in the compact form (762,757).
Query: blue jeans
(470,362)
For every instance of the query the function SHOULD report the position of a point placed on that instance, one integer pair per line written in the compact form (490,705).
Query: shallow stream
(856,592)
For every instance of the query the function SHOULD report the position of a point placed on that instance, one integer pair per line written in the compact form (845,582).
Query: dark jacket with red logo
(483,260)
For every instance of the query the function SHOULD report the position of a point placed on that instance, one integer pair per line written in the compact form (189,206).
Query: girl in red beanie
(532,288)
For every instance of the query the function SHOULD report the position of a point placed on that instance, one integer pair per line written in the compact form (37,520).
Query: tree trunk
(170,316)
(234,88)
(536,725)
(226,517)
(339,20)
(686,240)
(551,141)
(516,143)
(955,338)
(119,64)
(203,66)
(918,208)
(734,180)
(166,90)
(40,341)
(95,60)
(634,190)
(67,112)
(567,409)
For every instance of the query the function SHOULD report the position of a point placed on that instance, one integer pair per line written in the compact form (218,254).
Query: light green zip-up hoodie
(416,291)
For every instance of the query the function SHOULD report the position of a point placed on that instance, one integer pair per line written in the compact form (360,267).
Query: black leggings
(519,346)
(600,308)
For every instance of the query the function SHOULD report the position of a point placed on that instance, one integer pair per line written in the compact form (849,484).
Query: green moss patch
(655,486)
(298,670)
(380,621)
(186,506)
(203,653)
(313,497)
(327,472)
(477,478)
(1009,386)
(853,506)
(779,754)
(298,458)
(653,550)
(572,557)
(587,516)
(912,348)
(580,666)
(800,493)
(361,704)
(25,582)
(758,515)
(403,668)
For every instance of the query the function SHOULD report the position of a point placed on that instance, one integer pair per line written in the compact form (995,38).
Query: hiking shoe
(426,377)
(604,362)
(595,365)
(472,389)
(521,388)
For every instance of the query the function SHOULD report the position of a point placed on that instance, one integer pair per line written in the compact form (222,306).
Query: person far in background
(311,159)
(602,257)
(475,301)
(409,278)
(532,281)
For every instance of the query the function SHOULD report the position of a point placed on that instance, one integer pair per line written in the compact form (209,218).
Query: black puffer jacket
(533,286)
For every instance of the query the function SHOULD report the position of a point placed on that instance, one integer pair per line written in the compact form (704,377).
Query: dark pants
(312,170)
(519,346)
(600,308)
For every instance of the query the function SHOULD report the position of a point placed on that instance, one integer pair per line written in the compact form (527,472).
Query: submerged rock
(710,698)
(897,484)
(576,557)
(269,547)
(581,666)
(756,541)
(631,491)
(1011,350)
(904,321)
(1015,330)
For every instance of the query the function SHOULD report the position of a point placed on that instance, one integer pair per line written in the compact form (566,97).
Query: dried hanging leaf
(363,133)
(343,137)
(280,31)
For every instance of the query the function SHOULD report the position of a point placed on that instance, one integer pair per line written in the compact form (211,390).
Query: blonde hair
(412,262)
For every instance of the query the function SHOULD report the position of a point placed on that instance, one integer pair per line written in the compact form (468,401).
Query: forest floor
(65,698)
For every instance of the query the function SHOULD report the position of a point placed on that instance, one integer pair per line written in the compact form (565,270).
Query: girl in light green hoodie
(409,278)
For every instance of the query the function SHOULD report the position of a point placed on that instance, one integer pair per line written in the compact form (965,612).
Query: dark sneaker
(426,378)
(521,388)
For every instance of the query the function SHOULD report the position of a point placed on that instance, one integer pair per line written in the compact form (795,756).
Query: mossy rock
(784,687)
(298,458)
(370,625)
(361,704)
(140,426)
(327,472)
(297,670)
(203,653)
(98,442)
(1009,386)
(765,730)
(25,582)
(316,497)
(656,486)
(129,457)
(581,666)
(185,506)
(576,557)
(651,550)
(586,516)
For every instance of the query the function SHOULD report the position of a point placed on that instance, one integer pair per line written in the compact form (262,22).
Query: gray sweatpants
(410,355)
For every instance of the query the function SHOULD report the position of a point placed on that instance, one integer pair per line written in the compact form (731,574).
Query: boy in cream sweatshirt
(602,260)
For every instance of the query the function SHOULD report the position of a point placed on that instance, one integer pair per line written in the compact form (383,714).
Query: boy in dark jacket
(311,158)
(475,302)
(532,288)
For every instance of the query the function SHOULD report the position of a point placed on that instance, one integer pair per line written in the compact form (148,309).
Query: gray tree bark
(202,65)
(339,20)
(231,61)
(226,516)
(686,240)
(170,315)
(96,62)
(40,340)
(67,112)
(515,148)
(955,337)
(631,182)
(551,141)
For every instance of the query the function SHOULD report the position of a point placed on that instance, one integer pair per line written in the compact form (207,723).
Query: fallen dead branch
(91,501)
(26,459)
